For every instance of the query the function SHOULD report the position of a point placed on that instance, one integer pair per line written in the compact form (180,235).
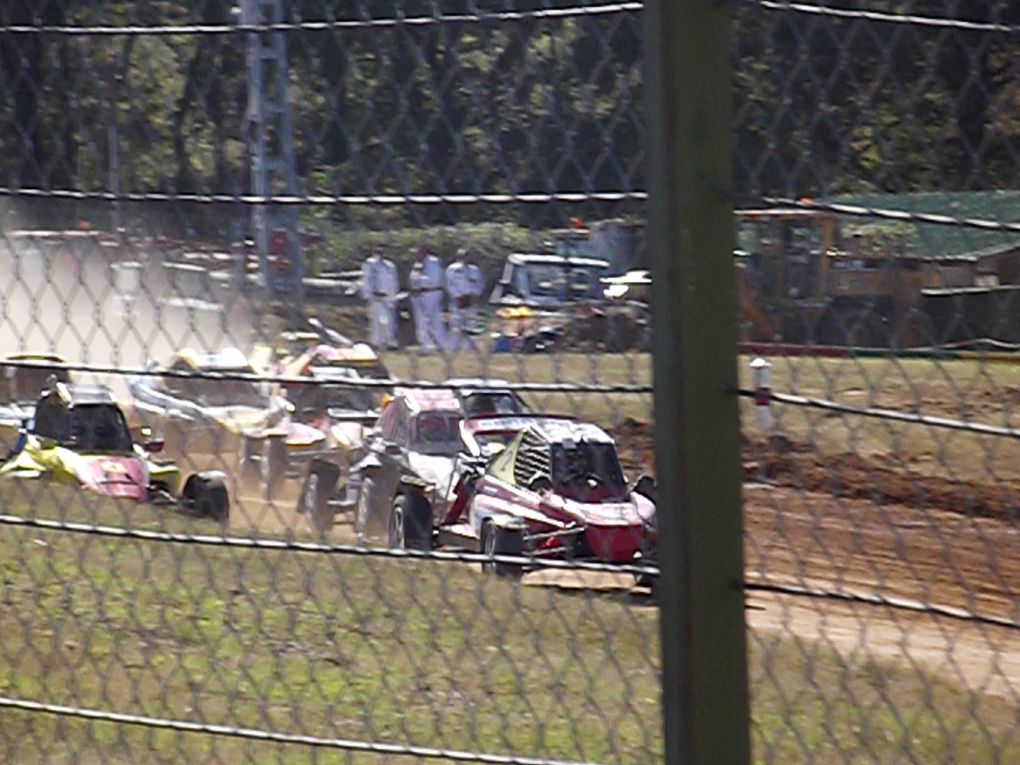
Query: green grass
(967,391)
(426,653)
(970,391)
(573,368)
(435,654)
(367,649)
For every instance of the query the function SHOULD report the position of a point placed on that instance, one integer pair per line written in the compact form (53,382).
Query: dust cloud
(94,303)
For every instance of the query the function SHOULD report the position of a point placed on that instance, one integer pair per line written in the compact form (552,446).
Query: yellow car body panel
(124,475)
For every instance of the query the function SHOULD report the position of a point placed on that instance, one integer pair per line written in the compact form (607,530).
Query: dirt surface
(877,528)
(855,526)
(846,526)
(782,462)
(983,660)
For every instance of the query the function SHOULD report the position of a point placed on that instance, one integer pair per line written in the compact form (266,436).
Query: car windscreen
(99,427)
(437,433)
(209,392)
(480,403)
(316,398)
(564,281)
(584,465)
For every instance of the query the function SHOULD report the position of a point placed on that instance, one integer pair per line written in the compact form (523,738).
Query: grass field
(969,391)
(573,368)
(434,654)
(965,391)
(423,653)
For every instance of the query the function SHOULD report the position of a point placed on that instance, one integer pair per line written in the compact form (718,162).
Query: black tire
(647,580)
(363,509)
(645,486)
(206,496)
(502,541)
(316,493)
(214,502)
(273,466)
(410,526)
(187,499)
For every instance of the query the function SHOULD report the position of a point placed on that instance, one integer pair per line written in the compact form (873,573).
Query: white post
(762,371)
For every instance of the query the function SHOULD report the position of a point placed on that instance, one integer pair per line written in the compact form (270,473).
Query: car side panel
(497,498)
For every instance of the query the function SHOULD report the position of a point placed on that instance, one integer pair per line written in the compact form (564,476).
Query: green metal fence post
(704,659)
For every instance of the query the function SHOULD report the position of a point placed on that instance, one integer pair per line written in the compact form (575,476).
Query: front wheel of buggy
(273,466)
(411,523)
(498,540)
(363,510)
(316,493)
(646,580)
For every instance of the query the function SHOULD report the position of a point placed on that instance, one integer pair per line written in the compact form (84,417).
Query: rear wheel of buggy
(498,540)
(273,466)
(363,509)
(316,493)
(410,526)
(647,580)
(206,497)
(213,501)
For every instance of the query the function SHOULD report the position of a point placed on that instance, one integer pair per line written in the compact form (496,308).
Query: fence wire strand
(326,387)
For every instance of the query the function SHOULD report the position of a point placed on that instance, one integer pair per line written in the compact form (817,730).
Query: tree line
(536,104)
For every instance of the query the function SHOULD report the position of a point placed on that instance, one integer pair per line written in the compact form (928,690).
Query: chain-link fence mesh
(278,485)
(250,519)
(877,155)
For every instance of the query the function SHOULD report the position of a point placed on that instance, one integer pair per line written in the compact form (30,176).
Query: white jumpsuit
(464,286)
(379,287)
(427,303)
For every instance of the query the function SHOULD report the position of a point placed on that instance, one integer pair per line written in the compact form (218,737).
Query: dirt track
(847,522)
(846,525)
(843,525)
(849,525)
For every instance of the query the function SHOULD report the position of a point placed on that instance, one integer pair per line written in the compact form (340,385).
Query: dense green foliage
(531,105)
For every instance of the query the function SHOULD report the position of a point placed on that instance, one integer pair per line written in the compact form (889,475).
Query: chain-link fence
(300,271)
(877,156)
(327,394)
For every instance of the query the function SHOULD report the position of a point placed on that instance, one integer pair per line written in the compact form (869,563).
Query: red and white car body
(559,485)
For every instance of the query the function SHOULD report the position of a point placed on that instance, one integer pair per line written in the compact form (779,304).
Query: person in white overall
(464,285)
(427,300)
(379,287)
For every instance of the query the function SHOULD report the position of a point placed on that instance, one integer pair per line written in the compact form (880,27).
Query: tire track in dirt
(849,524)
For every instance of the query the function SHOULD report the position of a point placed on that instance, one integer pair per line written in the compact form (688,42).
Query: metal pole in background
(255,134)
(271,145)
(704,647)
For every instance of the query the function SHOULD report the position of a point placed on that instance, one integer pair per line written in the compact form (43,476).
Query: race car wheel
(411,523)
(397,538)
(645,486)
(205,495)
(646,580)
(498,540)
(318,489)
(362,509)
(213,500)
(273,466)
(247,467)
